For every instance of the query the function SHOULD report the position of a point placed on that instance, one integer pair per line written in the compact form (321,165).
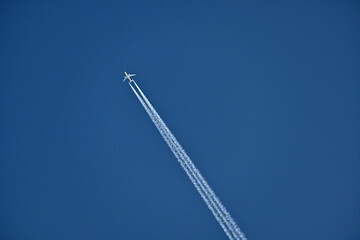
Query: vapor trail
(198,180)
(175,152)
(208,191)
(196,174)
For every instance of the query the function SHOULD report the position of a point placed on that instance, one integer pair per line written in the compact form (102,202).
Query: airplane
(127,76)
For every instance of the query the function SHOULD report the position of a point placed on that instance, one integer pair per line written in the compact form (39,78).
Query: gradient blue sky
(264,97)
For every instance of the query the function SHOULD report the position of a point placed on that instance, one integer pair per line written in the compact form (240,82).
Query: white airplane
(127,76)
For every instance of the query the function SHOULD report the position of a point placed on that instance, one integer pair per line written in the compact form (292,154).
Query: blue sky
(264,97)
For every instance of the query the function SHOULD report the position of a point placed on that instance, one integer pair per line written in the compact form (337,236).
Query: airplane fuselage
(128,77)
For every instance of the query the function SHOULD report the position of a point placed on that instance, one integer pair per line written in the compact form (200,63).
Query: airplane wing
(130,75)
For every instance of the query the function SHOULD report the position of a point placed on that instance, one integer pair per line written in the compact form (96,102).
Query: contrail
(213,202)
(232,226)
(228,219)
(194,181)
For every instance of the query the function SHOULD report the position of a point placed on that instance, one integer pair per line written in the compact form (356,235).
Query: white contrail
(197,178)
(228,219)
(213,207)
(201,181)
(193,180)
(232,226)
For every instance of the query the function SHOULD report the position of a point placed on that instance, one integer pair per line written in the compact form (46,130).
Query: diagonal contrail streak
(201,181)
(229,225)
(225,214)
(180,160)
(213,202)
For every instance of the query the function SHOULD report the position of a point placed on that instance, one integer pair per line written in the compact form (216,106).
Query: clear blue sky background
(265,98)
